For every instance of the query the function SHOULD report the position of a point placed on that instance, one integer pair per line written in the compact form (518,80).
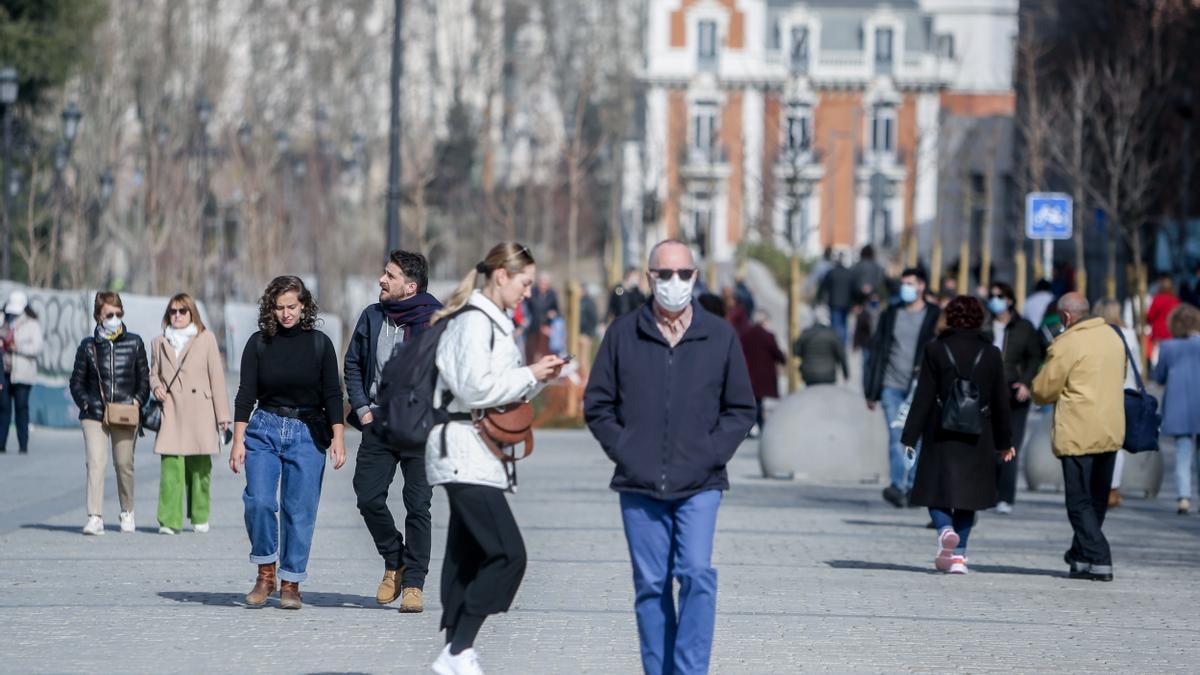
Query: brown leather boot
(389,588)
(263,587)
(289,595)
(412,602)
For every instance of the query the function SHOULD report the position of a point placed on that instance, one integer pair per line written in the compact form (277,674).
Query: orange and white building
(813,123)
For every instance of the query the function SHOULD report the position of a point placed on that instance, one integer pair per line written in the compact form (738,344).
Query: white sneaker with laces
(163,529)
(95,525)
(127,521)
(201,528)
(465,663)
(1003,508)
(958,565)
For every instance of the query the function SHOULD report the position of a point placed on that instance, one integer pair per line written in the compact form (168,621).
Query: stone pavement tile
(813,578)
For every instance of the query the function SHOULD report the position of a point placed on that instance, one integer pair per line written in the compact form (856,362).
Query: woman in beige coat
(187,375)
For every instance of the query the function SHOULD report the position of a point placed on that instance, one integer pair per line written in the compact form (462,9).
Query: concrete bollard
(824,433)
(1143,471)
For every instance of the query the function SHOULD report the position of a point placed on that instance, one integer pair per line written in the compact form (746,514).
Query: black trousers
(1006,472)
(485,555)
(373,473)
(1087,480)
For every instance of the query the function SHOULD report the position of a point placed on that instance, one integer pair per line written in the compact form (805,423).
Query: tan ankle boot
(389,588)
(289,595)
(412,602)
(264,586)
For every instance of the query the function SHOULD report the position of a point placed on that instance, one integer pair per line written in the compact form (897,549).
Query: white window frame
(882,130)
(703,126)
(885,57)
(806,32)
(706,49)
(798,128)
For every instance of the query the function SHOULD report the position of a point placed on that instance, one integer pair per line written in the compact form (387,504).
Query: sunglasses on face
(117,315)
(995,296)
(179,311)
(666,274)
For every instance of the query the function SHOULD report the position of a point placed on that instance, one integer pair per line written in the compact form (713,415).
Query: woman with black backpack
(480,368)
(960,413)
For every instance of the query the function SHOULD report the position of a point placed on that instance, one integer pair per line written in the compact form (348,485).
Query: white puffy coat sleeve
(465,363)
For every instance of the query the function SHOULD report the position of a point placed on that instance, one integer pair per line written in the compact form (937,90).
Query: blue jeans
(899,475)
(282,460)
(1185,468)
(960,520)
(14,396)
(673,539)
(838,319)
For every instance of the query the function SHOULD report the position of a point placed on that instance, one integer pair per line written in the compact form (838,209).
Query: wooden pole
(793,373)
(573,315)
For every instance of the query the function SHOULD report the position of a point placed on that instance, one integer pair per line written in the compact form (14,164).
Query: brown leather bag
(115,414)
(506,426)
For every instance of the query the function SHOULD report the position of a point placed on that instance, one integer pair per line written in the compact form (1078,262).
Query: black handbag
(1141,411)
(152,409)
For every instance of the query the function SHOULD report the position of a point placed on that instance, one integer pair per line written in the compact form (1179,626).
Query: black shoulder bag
(152,410)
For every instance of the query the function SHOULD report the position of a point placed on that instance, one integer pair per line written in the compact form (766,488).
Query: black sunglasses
(179,311)
(998,296)
(120,315)
(666,274)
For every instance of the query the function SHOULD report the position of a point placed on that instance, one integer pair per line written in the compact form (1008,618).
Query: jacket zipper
(112,371)
(666,432)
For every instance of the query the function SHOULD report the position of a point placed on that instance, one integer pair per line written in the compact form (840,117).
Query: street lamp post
(9,87)
(393,195)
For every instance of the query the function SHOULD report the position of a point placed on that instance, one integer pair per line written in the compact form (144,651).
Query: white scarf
(178,337)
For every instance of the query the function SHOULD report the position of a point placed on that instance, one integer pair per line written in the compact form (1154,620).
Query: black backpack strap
(950,355)
(1137,375)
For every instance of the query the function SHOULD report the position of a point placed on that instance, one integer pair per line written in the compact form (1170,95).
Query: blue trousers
(899,475)
(283,469)
(673,539)
(14,396)
(839,320)
(959,520)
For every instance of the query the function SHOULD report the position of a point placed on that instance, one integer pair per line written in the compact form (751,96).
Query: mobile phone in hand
(567,358)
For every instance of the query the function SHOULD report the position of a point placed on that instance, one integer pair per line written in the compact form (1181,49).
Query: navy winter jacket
(359,368)
(670,418)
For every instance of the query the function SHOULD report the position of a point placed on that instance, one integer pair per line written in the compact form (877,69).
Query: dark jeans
(485,557)
(960,520)
(1006,472)
(373,473)
(14,396)
(1087,480)
(839,318)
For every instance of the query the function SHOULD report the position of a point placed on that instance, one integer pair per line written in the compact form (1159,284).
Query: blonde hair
(1110,310)
(189,302)
(508,255)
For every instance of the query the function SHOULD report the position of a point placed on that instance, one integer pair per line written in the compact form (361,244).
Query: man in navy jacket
(669,400)
(403,310)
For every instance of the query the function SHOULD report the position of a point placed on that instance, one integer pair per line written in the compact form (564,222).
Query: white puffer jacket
(27,339)
(478,378)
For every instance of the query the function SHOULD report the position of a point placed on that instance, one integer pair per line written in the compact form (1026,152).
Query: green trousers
(184,476)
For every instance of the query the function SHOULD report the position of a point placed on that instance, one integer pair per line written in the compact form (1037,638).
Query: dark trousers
(373,474)
(1087,480)
(485,555)
(14,396)
(1006,472)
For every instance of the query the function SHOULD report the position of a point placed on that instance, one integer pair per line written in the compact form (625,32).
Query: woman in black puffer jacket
(110,367)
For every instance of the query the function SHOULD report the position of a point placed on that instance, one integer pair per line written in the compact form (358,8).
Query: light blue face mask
(908,293)
(997,306)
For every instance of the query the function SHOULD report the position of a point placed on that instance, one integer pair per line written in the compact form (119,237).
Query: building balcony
(706,162)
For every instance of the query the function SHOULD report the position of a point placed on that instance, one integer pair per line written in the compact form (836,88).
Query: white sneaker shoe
(95,525)
(127,521)
(163,529)
(201,528)
(1003,508)
(466,663)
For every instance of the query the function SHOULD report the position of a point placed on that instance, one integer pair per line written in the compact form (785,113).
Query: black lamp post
(9,87)
(70,117)
(393,193)
(106,187)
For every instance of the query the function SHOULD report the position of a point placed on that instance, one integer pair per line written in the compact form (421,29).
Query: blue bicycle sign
(1048,215)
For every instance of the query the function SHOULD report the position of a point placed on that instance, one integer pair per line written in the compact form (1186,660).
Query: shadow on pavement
(310,598)
(78,529)
(985,569)
(881,523)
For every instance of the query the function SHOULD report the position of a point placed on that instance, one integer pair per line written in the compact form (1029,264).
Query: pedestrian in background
(589,323)
(287,418)
(837,292)
(480,367)
(403,311)
(1083,376)
(820,351)
(22,343)
(670,402)
(1110,310)
(543,307)
(188,377)
(763,358)
(1190,293)
(110,367)
(1178,369)
(1161,305)
(625,296)
(869,277)
(956,469)
(897,351)
(1021,349)
(1038,301)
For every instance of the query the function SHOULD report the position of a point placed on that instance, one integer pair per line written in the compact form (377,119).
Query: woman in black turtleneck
(289,381)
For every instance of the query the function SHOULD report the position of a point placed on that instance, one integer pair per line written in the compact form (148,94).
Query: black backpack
(963,408)
(407,385)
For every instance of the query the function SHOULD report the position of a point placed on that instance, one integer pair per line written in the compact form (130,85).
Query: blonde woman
(1110,310)
(480,365)
(187,375)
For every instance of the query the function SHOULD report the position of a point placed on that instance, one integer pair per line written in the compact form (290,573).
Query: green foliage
(45,40)
(777,260)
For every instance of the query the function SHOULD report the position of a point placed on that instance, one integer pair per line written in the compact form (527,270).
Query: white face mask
(674,295)
(112,324)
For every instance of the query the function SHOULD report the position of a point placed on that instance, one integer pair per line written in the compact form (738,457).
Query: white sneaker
(1003,508)
(466,663)
(163,529)
(201,528)
(127,521)
(95,525)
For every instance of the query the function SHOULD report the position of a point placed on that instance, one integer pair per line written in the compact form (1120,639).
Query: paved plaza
(812,578)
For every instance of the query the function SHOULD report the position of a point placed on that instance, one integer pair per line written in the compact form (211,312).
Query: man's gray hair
(1074,303)
(667,242)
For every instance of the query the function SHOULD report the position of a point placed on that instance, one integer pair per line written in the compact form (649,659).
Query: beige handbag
(115,414)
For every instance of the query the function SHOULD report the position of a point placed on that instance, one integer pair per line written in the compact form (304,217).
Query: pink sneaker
(947,541)
(958,565)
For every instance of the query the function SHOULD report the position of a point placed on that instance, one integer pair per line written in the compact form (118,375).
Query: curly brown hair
(267,323)
(964,313)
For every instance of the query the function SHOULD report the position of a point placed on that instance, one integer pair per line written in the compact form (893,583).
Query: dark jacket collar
(700,329)
(964,334)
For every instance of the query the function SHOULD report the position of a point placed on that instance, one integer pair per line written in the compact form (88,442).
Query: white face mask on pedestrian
(675,294)
(112,324)
(908,293)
